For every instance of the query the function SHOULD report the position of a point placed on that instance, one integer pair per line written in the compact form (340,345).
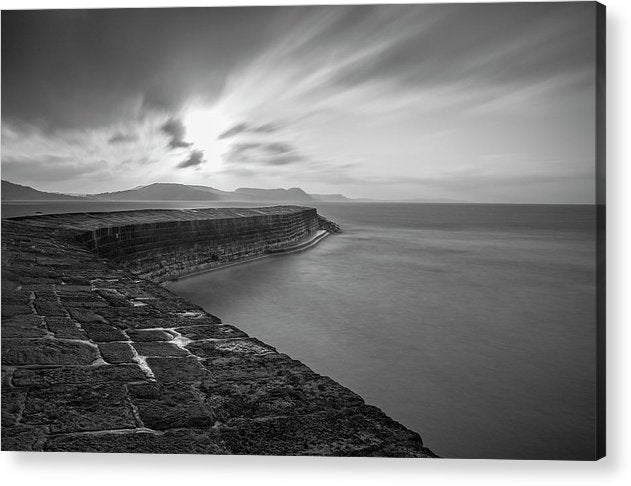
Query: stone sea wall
(97,358)
(164,244)
(170,249)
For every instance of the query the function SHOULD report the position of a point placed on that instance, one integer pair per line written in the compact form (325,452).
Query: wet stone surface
(11,310)
(47,352)
(24,377)
(95,358)
(253,367)
(116,352)
(74,408)
(12,405)
(178,441)
(23,327)
(210,332)
(298,394)
(148,336)
(214,349)
(159,349)
(363,431)
(173,370)
(23,437)
(84,315)
(48,308)
(170,406)
(102,332)
(65,328)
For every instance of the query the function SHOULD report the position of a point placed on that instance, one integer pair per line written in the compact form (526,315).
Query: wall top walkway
(95,220)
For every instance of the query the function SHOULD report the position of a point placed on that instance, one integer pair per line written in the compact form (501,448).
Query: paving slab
(23,326)
(148,336)
(116,352)
(73,408)
(12,405)
(23,437)
(125,373)
(361,431)
(170,370)
(170,406)
(102,332)
(236,347)
(46,307)
(159,349)
(19,352)
(210,332)
(252,367)
(65,328)
(183,441)
(285,395)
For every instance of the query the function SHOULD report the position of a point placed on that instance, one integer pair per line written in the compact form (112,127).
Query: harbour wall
(166,244)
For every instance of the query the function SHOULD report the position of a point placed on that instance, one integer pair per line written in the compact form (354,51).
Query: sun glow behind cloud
(204,125)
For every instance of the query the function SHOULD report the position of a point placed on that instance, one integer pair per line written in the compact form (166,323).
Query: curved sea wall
(166,244)
(95,358)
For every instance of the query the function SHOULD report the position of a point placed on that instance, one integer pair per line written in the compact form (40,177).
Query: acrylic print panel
(313,230)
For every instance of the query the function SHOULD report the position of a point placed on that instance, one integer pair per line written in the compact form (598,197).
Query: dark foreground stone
(183,441)
(97,359)
(74,408)
(63,375)
(361,431)
(46,352)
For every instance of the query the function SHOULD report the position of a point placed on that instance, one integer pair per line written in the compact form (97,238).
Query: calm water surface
(471,324)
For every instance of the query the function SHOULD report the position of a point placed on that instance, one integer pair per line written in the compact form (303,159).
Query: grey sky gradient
(472,102)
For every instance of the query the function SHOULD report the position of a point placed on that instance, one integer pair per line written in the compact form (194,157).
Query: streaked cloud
(66,159)
(268,153)
(119,137)
(195,158)
(176,130)
(245,128)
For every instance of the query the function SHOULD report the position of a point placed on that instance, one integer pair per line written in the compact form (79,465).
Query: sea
(472,324)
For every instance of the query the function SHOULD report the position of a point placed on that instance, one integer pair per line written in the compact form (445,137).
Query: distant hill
(293,194)
(330,197)
(16,192)
(212,190)
(160,191)
(163,191)
(170,191)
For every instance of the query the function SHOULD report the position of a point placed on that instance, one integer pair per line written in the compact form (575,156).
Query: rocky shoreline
(97,356)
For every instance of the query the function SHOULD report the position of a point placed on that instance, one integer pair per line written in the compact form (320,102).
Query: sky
(451,102)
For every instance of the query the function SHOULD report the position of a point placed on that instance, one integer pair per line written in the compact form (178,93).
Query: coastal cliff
(97,356)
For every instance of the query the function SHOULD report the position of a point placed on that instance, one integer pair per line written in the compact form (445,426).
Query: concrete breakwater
(97,356)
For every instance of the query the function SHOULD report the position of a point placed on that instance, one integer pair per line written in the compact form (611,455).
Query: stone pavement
(96,359)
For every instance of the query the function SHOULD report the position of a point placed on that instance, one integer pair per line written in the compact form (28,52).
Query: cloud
(176,130)
(266,128)
(47,168)
(235,130)
(246,128)
(63,160)
(120,137)
(196,158)
(263,153)
(278,148)
(284,159)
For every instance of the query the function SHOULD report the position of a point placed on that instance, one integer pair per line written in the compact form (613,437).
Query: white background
(120,469)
